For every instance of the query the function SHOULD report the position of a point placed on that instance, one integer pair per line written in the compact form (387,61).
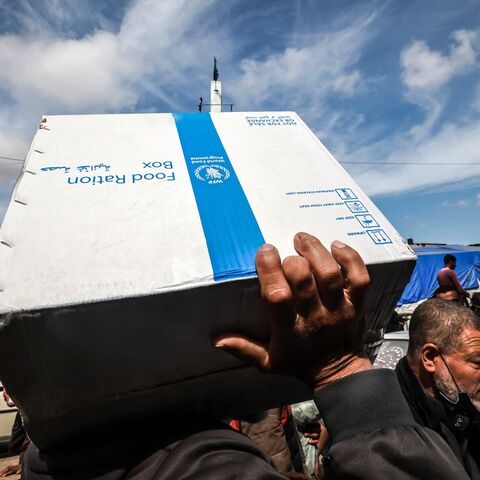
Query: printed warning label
(345,204)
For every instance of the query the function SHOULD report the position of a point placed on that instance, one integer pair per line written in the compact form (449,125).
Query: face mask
(463,410)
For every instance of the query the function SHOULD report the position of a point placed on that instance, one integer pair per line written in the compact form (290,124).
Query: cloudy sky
(391,83)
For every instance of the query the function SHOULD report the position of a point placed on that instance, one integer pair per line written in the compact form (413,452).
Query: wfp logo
(212,173)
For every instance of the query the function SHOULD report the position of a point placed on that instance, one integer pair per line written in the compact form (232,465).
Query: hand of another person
(312,433)
(7,399)
(315,299)
(10,470)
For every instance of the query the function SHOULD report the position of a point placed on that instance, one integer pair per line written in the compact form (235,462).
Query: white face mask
(449,389)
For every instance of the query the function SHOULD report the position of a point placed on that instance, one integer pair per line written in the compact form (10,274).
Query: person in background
(307,422)
(266,431)
(448,278)
(395,324)
(447,293)
(440,376)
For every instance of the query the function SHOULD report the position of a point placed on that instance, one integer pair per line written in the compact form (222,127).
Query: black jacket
(439,416)
(373,433)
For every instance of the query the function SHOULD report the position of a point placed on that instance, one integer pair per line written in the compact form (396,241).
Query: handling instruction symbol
(356,206)
(379,237)
(345,193)
(367,221)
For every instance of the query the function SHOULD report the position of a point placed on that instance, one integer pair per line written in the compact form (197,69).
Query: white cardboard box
(130,241)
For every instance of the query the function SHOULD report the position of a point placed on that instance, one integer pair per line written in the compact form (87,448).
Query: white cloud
(348,83)
(453,144)
(304,76)
(424,68)
(478,199)
(105,70)
(456,203)
(88,73)
(433,107)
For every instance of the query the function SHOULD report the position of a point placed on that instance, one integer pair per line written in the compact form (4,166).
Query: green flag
(215,69)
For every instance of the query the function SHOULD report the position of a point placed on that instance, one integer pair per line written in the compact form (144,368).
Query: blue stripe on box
(231,230)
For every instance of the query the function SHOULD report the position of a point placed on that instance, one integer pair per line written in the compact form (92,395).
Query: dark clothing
(437,415)
(374,435)
(448,278)
(269,436)
(16,444)
(372,429)
(216,452)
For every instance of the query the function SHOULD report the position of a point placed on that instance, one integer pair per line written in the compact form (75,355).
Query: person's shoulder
(446,272)
(216,454)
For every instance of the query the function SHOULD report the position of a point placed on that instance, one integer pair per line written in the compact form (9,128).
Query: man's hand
(315,299)
(312,433)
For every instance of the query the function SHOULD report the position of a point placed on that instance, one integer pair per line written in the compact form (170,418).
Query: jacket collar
(426,409)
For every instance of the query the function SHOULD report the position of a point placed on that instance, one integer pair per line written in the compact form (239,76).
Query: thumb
(246,350)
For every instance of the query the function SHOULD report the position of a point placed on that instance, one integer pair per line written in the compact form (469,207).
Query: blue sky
(389,82)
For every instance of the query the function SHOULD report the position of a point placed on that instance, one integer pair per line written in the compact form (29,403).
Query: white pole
(216,96)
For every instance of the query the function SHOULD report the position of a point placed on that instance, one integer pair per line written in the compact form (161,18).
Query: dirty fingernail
(338,244)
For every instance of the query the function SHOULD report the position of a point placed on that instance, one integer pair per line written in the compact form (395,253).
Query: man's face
(452,265)
(464,365)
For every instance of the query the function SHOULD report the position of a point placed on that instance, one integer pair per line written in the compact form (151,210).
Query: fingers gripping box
(129,243)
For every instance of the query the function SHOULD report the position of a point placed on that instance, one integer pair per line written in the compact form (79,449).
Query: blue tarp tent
(423,281)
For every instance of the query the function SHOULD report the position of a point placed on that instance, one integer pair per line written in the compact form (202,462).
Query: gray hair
(439,322)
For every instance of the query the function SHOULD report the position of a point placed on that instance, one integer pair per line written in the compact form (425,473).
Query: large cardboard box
(129,243)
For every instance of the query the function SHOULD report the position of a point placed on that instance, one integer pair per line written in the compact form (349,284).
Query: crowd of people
(418,422)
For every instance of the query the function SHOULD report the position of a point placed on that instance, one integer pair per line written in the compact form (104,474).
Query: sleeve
(458,286)
(374,435)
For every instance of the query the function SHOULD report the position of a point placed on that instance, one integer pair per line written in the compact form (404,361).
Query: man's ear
(428,354)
